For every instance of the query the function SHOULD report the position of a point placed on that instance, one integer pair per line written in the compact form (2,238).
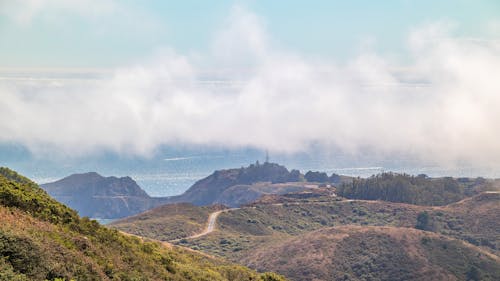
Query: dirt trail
(211,222)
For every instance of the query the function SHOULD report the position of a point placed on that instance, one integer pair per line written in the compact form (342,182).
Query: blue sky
(55,35)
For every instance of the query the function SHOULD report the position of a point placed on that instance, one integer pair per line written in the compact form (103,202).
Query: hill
(375,253)
(475,220)
(277,218)
(234,187)
(41,239)
(95,196)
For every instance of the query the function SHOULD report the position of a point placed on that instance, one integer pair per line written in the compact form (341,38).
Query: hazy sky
(107,33)
(390,77)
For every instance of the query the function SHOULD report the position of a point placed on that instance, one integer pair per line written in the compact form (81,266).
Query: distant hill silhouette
(96,196)
(235,187)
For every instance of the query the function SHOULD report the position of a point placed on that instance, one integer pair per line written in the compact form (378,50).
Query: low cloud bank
(443,106)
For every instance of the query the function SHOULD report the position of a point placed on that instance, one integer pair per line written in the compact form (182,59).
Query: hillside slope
(95,196)
(167,222)
(43,239)
(475,220)
(375,253)
(283,233)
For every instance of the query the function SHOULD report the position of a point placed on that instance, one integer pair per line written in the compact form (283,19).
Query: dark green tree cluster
(424,222)
(321,177)
(267,172)
(420,190)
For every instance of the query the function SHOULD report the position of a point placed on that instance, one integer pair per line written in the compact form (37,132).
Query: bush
(423,221)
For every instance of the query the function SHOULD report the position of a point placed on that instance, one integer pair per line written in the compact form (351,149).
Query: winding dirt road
(211,222)
(212,219)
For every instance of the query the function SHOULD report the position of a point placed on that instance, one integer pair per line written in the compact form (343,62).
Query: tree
(334,178)
(423,221)
(316,177)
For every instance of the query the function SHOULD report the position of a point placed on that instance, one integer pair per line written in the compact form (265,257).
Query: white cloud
(447,112)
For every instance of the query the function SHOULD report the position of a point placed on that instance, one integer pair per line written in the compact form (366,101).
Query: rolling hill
(41,239)
(242,233)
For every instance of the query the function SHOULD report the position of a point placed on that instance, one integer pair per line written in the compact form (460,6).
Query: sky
(103,34)
(381,77)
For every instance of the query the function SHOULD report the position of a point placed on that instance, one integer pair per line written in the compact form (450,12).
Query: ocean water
(174,170)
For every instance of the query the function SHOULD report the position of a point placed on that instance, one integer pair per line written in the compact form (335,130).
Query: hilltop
(208,190)
(95,196)
(42,239)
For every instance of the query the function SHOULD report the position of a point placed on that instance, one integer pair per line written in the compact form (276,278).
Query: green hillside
(41,239)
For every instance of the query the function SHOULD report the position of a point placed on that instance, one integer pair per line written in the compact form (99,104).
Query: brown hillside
(374,253)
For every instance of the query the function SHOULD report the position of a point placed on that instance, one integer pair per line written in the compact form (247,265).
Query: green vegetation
(20,192)
(403,188)
(42,239)
(423,221)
